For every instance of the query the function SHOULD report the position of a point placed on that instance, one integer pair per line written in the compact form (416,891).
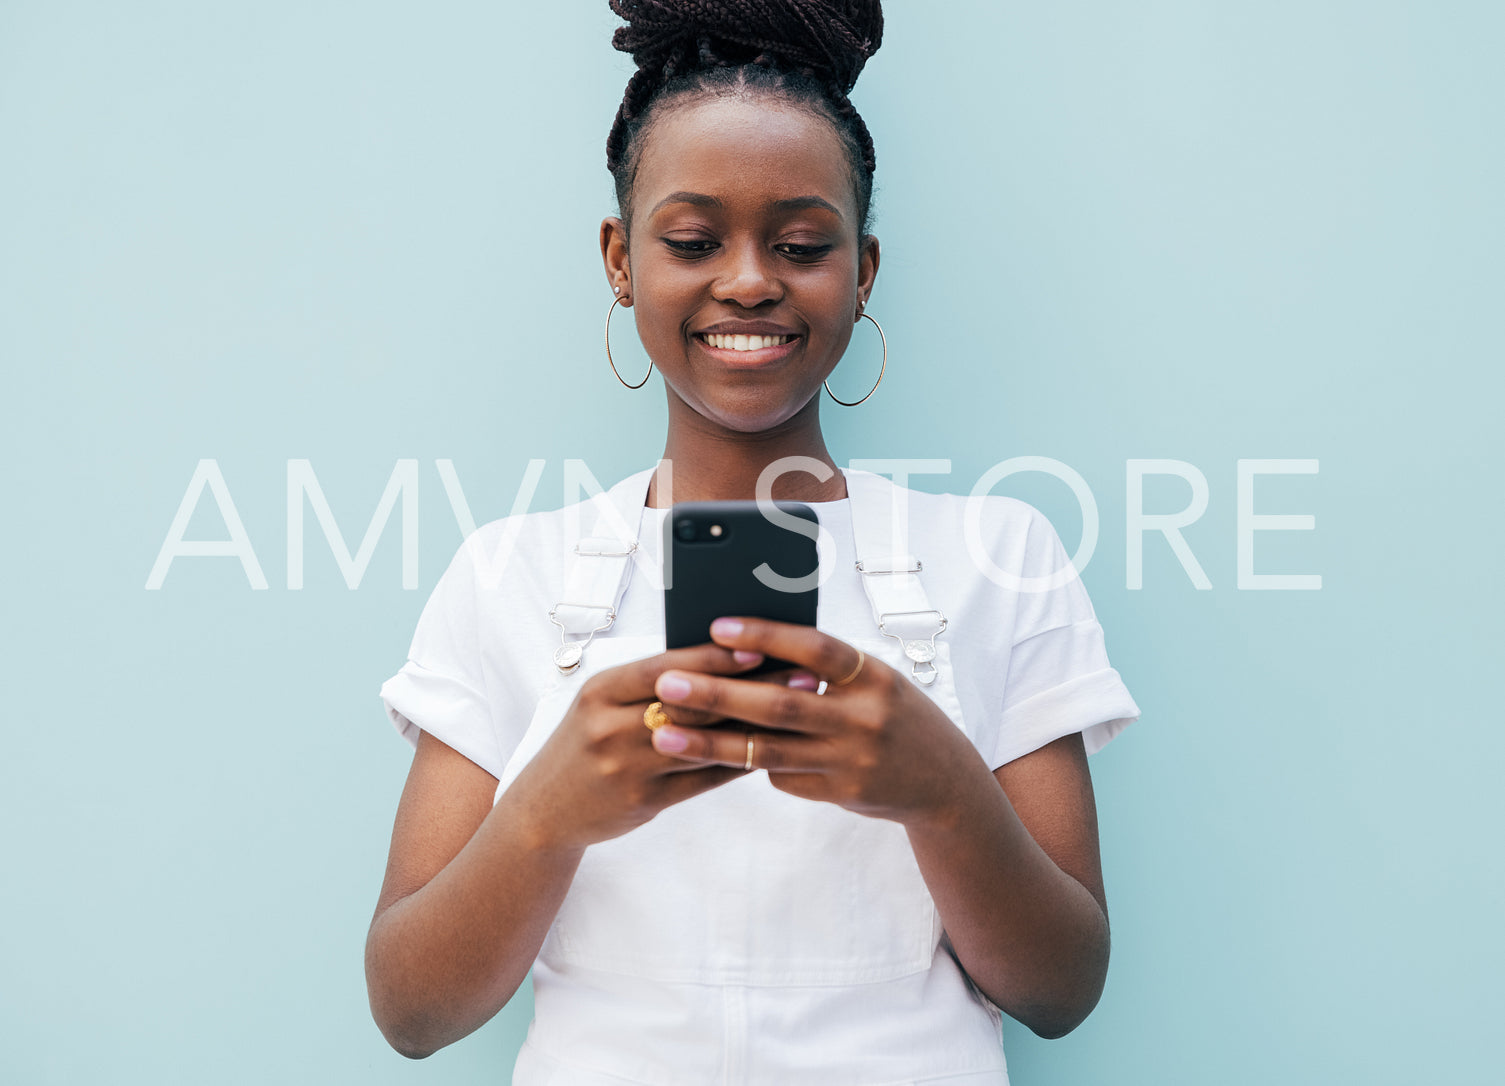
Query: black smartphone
(729,558)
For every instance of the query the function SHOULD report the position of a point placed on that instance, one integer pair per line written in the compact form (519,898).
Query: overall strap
(890,574)
(600,565)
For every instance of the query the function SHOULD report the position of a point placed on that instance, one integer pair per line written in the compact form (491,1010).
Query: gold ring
(654,716)
(747,765)
(861,659)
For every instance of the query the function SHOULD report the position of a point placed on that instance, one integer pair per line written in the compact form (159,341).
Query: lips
(748,348)
(741,342)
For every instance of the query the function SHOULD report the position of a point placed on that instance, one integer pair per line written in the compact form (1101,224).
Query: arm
(469,894)
(471,889)
(1015,873)
(1011,860)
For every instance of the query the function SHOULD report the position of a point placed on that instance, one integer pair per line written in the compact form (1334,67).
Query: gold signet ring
(655,717)
(857,670)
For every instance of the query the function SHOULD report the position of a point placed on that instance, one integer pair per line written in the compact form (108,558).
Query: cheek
(656,323)
(837,306)
(661,308)
(841,340)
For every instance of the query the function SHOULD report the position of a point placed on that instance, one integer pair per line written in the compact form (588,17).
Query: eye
(690,246)
(804,252)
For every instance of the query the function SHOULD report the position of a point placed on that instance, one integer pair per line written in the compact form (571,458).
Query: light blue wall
(359,233)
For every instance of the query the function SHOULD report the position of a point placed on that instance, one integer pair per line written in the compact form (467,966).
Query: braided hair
(805,52)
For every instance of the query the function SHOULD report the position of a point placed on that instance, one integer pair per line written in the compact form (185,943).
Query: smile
(744,343)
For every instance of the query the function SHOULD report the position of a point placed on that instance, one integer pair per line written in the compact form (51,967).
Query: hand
(876,744)
(598,775)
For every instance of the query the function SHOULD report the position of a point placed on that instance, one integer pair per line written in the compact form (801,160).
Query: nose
(748,277)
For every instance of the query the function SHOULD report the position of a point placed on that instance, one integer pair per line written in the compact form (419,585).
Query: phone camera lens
(684,530)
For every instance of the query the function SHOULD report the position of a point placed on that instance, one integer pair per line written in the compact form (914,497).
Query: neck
(711,463)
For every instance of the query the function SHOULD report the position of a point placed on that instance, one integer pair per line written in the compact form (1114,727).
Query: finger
(802,680)
(672,765)
(743,750)
(657,761)
(826,656)
(634,682)
(687,717)
(772,706)
(699,718)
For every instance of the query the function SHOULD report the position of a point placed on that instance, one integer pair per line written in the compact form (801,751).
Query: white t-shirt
(746,935)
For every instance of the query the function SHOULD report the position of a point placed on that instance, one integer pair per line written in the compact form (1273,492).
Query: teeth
(745,343)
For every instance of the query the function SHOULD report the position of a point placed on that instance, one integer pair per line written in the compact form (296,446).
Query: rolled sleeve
(1059,681)
(442,689)
(1098,705)
(418,698)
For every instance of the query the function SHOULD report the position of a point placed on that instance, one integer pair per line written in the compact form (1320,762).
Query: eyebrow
(793,203)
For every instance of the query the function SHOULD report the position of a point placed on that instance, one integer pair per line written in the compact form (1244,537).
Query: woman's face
(744,225)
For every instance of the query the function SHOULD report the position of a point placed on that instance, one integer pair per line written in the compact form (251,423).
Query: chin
(753,420)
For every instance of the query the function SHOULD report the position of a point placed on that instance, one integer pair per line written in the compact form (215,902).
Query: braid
(834,37)
(848,113)
(640,90)
(809,52)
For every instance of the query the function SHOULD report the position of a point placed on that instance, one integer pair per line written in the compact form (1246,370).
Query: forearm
(1030,936)
(443,960)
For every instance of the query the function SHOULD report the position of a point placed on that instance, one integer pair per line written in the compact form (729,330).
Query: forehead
(747,153)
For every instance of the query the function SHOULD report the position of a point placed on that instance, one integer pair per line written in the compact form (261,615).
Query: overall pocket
(746,884)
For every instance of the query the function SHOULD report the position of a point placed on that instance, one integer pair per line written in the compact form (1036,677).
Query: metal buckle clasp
(919,650)
(568,655)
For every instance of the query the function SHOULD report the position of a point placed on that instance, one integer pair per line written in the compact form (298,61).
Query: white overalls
(746,935)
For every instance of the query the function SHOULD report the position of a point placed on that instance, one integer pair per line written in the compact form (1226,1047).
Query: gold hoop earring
(884,340)
(614,303)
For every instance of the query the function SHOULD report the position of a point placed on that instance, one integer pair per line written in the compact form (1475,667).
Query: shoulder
(1009,532)
(531,529)
(541,540)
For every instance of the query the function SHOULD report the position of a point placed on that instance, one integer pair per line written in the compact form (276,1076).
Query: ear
(867,272)
(614,256)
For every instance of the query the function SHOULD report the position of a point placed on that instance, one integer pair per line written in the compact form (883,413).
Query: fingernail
(802,680)
(673,687)
(743,656)
(726,627)
(670,741)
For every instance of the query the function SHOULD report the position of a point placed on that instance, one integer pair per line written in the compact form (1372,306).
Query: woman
(842,873)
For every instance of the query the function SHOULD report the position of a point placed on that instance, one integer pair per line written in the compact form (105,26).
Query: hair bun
(832,38)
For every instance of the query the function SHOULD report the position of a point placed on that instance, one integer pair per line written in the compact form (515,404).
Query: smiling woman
(749,229)
(843,871)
